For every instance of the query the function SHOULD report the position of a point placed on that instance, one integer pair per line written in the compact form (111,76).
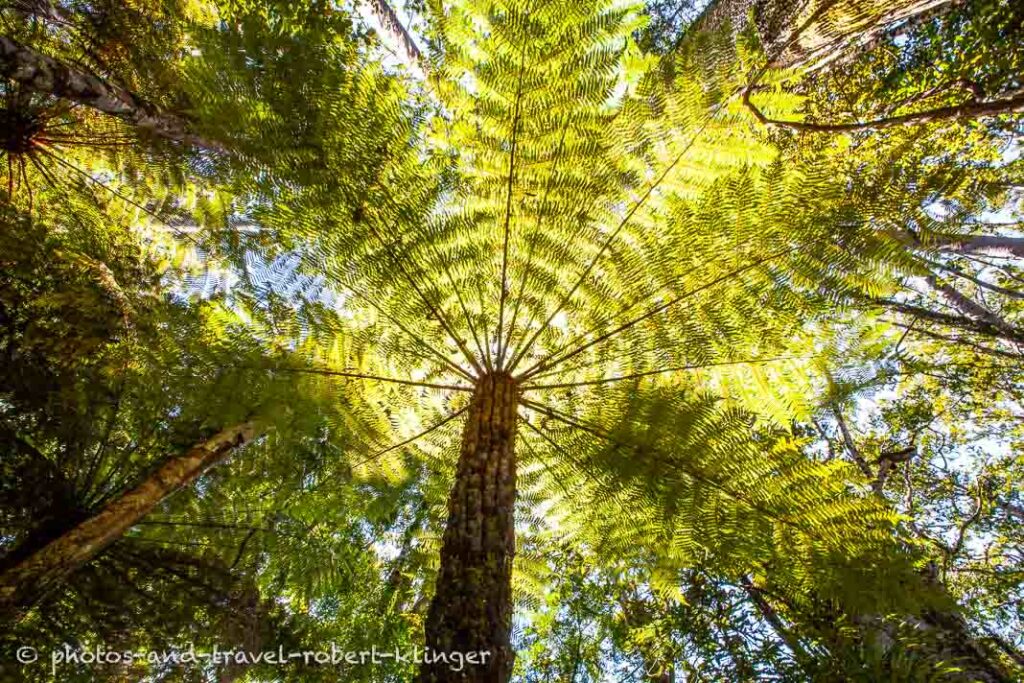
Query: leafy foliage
(579,195)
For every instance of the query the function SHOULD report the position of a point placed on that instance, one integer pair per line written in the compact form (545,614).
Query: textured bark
(389,20)
(956,643)
(969,306)
(824,30)
(46,75)
(944,640)
(22,585)
(472,606)
(800,654)
(795,33)
(984,244)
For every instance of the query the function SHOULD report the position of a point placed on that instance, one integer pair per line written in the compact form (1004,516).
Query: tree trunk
(812,34)
(824,30)
(800,654)
(969,306)
(472,607)
(985,245)
(957,644)
(45,75)
(389,20)
(26,582)
(991,245)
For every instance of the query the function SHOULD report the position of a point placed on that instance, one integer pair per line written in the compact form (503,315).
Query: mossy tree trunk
(472,607)
(26,582)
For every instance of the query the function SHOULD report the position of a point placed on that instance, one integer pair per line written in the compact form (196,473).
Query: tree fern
(593,262)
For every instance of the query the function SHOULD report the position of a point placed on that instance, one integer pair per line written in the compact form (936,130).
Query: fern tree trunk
(48,76)
(30,578)
(472,606)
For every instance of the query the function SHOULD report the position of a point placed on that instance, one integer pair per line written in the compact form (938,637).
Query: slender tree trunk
(48,76)
(796,33)
(389,20)
(824,30)
(991,245)
(800,654)
(986,245)
(969,306)
(472,607)
(25,583)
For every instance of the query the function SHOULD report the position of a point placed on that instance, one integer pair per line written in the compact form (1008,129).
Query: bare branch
(969,307)
(956,321)
(999,353)
(1012,293)
(1013,104)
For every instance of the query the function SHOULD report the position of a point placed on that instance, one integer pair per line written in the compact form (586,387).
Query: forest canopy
(520,340)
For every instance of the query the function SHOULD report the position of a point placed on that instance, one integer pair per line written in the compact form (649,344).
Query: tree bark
(988,245)
(25,583)
(969,306)
(823,30)
(992,245)
(957,643)
(389,20)
(961,322)
(471,611)
(800,654)
(812,34)
(48,76)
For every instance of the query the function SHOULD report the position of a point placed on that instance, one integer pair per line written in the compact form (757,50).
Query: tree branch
(960,322)
(1013,104)
(970,307)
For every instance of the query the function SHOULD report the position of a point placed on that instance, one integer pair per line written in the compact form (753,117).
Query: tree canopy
(614,340)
